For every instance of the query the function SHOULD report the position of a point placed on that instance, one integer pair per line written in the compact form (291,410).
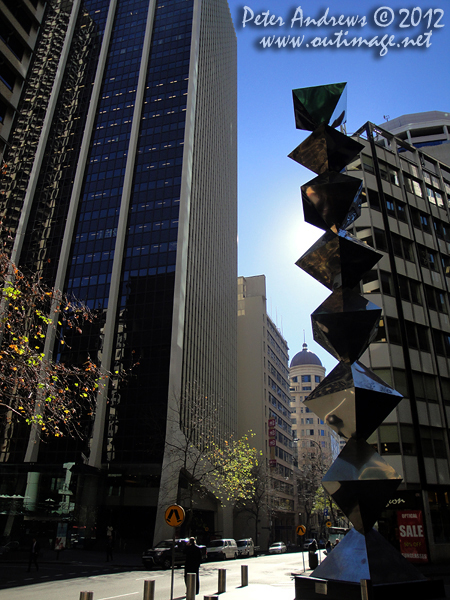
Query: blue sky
(272,234)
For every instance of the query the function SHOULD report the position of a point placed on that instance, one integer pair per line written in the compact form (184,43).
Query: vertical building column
(95,457)
(169,477)
(39,157)
(33,443)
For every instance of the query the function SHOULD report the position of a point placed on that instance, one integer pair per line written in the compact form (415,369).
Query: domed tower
(305,373)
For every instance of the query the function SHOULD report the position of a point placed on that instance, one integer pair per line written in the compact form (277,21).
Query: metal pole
(303,554)
(244,575)
(86,595)
(173,564)
(149,589)
(191,584)
(222,587)
(366,589)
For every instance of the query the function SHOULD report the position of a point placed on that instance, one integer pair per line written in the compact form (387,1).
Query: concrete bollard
(86,595)
(222,587)
(191,585)
(149,589)
(366,589)
(244,575)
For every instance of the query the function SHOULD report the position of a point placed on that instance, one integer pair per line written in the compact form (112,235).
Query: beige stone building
(264,407)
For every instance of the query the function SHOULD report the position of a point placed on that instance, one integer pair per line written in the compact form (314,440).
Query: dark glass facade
(139,135)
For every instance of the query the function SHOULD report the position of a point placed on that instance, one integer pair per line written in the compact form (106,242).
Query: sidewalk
(281,590)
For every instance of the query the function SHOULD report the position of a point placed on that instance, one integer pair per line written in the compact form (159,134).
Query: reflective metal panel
(367,557)
(345,324)
(352,400)
(320,104)
(336,197)
(338,260)
(361,483)
(326,150)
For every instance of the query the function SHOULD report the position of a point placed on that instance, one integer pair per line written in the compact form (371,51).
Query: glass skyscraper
(121,191)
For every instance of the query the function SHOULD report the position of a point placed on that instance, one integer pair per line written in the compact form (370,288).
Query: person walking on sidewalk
(34,553)
(109,548)
(192,562)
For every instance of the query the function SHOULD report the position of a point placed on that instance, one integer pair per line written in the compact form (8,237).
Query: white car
(277,548)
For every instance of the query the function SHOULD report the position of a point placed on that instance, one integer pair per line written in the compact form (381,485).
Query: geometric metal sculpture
(352,400)
(371,557)
(361,483)
(316,105)
(330,198)
(343,312)
(338,260)
(326,150)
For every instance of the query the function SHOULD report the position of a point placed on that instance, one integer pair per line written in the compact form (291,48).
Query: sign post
(174,516)
(301,530)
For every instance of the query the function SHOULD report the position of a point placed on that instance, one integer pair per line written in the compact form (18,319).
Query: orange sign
(174,515)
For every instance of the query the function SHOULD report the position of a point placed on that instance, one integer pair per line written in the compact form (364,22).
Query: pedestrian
(312,556)
(328,547)
(109,548)
(192,561)
(34,553)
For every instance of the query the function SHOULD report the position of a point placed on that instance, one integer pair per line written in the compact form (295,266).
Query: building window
(389,440)
(295,379)
(306,378)
(317,378)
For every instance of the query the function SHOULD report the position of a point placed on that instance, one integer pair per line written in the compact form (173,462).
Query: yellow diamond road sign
(301,530)
(174,515)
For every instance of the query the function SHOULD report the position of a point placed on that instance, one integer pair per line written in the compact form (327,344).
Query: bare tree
(203,458)
(312,467)
(258,503)
(34,388)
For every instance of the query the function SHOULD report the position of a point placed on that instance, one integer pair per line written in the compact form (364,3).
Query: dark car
(161,554)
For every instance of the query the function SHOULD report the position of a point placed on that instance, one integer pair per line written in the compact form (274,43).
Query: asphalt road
(65,582)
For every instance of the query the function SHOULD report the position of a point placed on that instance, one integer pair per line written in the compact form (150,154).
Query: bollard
(244,575)
(222,588)
(149,589)
(86,595)
(366,589)
(191,585)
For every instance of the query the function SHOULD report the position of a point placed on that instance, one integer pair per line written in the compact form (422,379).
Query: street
(66,581)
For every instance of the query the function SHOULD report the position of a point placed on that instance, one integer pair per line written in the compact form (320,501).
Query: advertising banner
(412,535)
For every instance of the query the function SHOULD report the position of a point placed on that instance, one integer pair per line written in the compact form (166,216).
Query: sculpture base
(312,588)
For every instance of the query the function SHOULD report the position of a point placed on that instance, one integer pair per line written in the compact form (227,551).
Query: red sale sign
(412,535)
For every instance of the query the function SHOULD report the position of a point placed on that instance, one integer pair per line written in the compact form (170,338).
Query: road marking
(121,596)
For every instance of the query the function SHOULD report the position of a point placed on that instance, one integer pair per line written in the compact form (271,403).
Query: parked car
(306,543)
(222,549)
(161,554)
(246,547)
(277,548)
(9,547)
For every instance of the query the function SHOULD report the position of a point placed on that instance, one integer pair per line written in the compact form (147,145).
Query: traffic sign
(328,523)
(301,530)
(174,515)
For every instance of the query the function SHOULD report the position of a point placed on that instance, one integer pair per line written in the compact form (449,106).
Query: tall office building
(264,408)
(405,215)
(19,26)
(121,190)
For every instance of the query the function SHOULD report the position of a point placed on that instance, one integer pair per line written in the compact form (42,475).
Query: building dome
(305,357)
